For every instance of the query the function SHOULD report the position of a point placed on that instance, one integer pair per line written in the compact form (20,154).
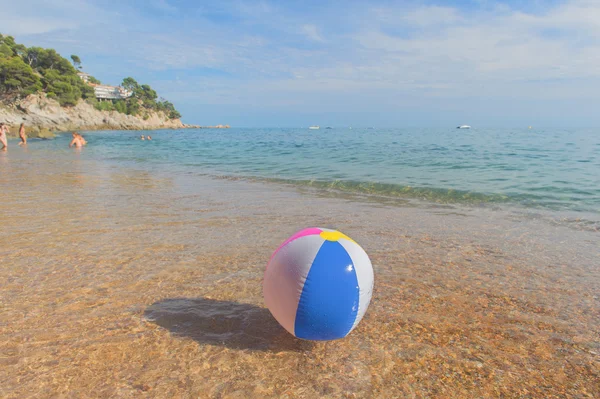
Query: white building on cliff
(106,92)
(84,76)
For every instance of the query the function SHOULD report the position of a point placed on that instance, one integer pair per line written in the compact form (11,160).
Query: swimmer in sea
(149,137)
(78,141)
(3,137)
(142,137)
(22,135)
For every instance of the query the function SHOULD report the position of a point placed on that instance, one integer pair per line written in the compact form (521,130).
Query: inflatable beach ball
(318,284)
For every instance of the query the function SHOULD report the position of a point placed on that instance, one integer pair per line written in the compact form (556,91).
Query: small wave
(434,195)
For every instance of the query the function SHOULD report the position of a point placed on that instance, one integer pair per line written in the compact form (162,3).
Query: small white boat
(463,127)
(314,127)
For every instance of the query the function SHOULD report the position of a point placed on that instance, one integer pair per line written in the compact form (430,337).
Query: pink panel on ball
(306,232)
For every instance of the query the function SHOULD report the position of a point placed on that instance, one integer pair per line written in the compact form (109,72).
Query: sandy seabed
(120,283)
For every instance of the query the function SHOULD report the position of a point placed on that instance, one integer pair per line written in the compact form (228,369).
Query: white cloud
(424,16)
(491,49)
(163,5)
(312,32)
(37,16)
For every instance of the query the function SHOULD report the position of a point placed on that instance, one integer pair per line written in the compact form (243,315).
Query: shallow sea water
(129,282)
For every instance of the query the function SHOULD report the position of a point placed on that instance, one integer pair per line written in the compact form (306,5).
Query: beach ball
(318,284)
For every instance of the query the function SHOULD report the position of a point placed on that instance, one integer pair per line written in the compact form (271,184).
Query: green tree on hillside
(76,61)
(9,48)
(130,84)
(17,77)
(147,95)
(31,55)
(168,108)
(68,89)
(25,71)
(133,106)
(5,50)
(51,60)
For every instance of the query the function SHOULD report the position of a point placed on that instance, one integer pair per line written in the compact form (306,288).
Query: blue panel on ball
(329,300)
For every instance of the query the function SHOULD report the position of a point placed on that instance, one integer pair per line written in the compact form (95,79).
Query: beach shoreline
(132,283)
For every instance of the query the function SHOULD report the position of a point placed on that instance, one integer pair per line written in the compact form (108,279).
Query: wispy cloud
(312,32)
(38,17)
(163,6)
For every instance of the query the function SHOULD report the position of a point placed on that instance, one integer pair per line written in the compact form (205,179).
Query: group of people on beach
(78,140)
(4,132)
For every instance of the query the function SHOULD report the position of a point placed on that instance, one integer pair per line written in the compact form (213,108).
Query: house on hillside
(84,76)
(106,92)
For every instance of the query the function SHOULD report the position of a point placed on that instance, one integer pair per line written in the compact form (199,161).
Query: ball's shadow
(223,323)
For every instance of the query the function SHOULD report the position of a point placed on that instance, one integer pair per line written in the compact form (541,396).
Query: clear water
(552,169)
(126,273)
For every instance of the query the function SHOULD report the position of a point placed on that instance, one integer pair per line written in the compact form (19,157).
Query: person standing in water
(22,135)
(3,137)
(78,140)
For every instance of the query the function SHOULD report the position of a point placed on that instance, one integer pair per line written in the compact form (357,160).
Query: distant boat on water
(463,127)
(314,127)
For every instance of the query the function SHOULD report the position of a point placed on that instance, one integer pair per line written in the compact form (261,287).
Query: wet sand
(127,284)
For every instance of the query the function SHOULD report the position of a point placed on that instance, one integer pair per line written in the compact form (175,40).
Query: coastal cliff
(40,88)
(43,115)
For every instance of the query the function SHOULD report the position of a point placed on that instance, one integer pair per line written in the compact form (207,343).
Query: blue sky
(337,63)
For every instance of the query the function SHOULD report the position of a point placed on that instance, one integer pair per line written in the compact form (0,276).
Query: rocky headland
(44,116)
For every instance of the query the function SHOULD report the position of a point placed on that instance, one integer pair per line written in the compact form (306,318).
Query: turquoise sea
(550,169)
